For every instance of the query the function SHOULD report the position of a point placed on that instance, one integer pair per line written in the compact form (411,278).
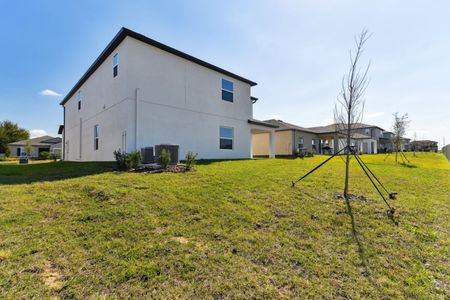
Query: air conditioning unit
(174,151)
(147,156)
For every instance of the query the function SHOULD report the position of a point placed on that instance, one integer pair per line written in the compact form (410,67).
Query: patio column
(272,143)
(335,143)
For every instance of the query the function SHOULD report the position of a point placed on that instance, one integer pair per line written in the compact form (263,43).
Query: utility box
(147,156)
(174,151)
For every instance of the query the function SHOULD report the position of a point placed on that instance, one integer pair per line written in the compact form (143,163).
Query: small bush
(44,155)
(126,161)
(191,159)
(54,156)
(7,152)
(122,160)
(164,158)
(135,159)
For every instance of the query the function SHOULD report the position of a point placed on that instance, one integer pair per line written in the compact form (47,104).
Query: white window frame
(79,100)
(227,90)
(116,64)
(226,138)
(96,137)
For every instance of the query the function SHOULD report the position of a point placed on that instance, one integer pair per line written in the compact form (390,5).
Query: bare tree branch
(349,109)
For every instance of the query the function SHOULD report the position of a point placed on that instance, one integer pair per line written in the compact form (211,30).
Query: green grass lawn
(231,229)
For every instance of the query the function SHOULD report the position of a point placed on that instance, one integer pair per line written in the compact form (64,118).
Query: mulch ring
(351,197)
(159,169)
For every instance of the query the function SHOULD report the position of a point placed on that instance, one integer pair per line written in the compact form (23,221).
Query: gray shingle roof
(45,140)
(333,128)
(287,126)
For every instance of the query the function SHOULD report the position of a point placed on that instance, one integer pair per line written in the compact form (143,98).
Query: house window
(96,137)
(300,143)
(227,90)
(226,138)
(115,64)
(367,131)
(79,99)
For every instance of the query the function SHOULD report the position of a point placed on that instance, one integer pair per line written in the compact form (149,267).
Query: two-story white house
(140,93)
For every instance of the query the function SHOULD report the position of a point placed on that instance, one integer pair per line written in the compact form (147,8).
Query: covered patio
(263,139)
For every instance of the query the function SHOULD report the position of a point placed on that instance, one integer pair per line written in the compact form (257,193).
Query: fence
(446,151)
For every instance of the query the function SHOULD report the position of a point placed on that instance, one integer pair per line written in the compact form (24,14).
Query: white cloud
(37,133)
(326,122)
(50,93)
(373,115)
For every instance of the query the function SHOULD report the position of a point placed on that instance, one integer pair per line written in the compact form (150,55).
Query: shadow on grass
(361,252)
(19,174)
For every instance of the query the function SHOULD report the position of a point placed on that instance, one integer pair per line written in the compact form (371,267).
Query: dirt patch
(351,197)
(51,277)
(159,169)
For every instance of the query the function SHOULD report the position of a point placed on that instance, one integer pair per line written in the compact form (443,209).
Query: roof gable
(121,35)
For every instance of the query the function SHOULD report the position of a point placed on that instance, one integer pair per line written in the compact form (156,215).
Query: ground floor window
(226,137)
(300,143)
(96,137)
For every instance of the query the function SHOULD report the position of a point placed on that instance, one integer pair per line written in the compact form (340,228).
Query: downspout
(64,134)
(137,118)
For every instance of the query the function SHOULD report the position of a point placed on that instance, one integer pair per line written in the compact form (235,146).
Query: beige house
(290,139)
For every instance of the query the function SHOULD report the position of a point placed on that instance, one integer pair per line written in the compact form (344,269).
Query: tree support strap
(371,180)
(391,195)
(304,176)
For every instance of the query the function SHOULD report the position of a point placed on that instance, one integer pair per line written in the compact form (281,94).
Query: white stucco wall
(179,102)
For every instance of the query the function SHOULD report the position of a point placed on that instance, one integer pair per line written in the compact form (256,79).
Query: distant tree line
(10,132)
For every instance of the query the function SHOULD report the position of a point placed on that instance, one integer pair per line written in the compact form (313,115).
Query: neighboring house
(140,93)
(290,140)
(386,143)
(424,146)
(38,145)
(365,138)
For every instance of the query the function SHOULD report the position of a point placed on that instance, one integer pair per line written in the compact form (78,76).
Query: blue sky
(297,51)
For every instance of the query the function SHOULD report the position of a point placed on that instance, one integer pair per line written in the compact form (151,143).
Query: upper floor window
(226,138)
(227,90)
(96,137)
(368,131)
(115,64)
(79,99)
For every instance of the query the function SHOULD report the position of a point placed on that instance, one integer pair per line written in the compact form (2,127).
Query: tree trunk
(396,153)
(347,159)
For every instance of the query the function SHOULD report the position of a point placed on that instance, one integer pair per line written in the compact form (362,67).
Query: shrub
(164,158)
(126,161)
(44,155)
(135,159)
(122,160)
(7,152)
(191,159)
(28,149)
(54,156)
